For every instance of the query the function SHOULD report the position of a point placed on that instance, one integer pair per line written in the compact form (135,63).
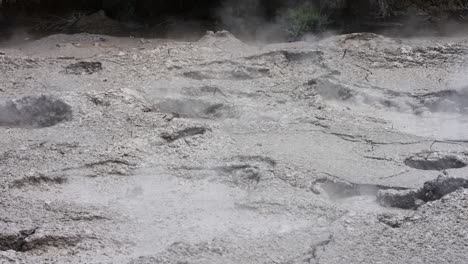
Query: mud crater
(34,112)
(244,171)
(194,108)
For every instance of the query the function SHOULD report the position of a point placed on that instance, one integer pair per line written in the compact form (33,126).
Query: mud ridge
(37,180)
(27,240)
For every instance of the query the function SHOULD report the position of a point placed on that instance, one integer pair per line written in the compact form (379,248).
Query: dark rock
(401,199)
(83,67)
(436,161)
(431,191)
(188,132)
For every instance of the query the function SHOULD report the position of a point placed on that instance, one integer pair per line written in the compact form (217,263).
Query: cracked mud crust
(351,149)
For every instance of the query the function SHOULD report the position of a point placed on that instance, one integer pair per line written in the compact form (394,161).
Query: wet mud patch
(451,101)
(302,56)
(187,132)
(330,89)
(182,252)
(193,108)
(340,189)
(204,91)
(256,158)
(237,74)
(34,112)
(436,161)
(27,240)
(241,175)
(431,191)
(83,67)
(288,56)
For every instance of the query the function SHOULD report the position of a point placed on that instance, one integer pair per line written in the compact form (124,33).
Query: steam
(246,19)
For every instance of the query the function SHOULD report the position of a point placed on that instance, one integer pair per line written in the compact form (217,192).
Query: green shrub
(301,20)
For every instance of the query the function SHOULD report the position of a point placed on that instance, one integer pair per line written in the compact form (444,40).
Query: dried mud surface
(126,150)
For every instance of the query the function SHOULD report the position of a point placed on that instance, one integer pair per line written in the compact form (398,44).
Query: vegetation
(298,21)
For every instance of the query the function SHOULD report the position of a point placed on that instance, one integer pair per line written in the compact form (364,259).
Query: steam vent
(233,131)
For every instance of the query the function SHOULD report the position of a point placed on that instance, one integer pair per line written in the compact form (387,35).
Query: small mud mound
(192,108)
(211,36)
(436,161)
(34,112)
(222,40)
(431,191)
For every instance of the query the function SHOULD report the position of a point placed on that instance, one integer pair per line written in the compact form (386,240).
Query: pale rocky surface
(220,151)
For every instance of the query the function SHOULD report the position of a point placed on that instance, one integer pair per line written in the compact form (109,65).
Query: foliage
(298,21)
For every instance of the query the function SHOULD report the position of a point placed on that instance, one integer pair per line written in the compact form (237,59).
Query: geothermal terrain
(348,149)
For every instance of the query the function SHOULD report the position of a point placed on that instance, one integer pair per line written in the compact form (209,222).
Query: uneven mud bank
(352,149)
